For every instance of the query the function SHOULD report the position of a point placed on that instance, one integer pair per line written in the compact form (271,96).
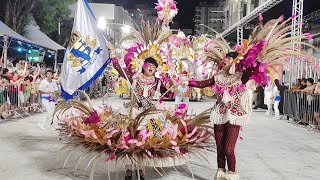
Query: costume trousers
(276,109)
(49,106)
(226,136)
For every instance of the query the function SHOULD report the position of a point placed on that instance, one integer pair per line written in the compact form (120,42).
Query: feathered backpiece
(216,49)
(270,45)
(149,38)
(279,45)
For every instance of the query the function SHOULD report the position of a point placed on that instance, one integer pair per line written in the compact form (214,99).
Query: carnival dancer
(147,134)
(268,45)
(227,115)
(48,89)
(144,85)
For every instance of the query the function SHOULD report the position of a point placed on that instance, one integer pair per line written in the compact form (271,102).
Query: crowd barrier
(302,107)
(19,100)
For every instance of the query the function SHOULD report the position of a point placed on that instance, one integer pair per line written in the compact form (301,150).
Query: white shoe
(232,176)
(220,175)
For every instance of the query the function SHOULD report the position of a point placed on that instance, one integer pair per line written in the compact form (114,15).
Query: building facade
(142,12)
(210,15)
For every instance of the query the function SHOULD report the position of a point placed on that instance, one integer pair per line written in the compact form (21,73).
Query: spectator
(6,74)
(276,98)
(48,90)
(104,83)
(268,98)
(297,86)
(317,88)
(4,106)
(303,83)
(310,86)
(255,99)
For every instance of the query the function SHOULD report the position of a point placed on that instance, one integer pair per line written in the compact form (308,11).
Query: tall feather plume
(279,42)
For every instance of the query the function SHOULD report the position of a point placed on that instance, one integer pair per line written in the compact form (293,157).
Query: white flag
(87,54)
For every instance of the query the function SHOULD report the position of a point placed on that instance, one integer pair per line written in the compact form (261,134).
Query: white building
(115,16)
(223,14)
(142,12)
(211,16)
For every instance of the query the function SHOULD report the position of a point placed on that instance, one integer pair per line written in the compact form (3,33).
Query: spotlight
(102,23)
(29,51)
(49,56)
(126,29)
(19,49)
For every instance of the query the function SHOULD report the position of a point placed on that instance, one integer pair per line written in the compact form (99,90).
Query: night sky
(186,9)
(184,17)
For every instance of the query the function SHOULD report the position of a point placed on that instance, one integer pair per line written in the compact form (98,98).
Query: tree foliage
(49,13)
(17,14)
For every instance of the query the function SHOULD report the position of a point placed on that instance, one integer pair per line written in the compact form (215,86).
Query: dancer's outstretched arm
(202,84)
(115,62)
(123,72)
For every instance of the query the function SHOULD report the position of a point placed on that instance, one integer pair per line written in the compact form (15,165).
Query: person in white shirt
(48,90)
(276,98)
(268,98)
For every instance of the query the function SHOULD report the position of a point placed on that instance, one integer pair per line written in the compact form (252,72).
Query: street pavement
(267,149)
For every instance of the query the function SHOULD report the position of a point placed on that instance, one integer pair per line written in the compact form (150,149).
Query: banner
(87,54)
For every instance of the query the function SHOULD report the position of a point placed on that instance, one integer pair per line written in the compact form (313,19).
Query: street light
(126,29)
(102,24)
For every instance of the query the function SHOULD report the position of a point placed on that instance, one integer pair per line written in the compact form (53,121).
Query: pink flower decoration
(177,149)
(133,141)
(173,142)
(178,114)
(110,158)
(175,131)
(182,106)
(164,132)
(193,132)
(260,17)
(94,118)
(183,123)
(149,153)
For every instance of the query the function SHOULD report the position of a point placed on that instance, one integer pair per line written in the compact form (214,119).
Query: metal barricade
(18,100)
(302,107)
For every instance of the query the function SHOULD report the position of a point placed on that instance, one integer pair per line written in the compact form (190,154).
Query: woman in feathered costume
(143,135)
(238,70)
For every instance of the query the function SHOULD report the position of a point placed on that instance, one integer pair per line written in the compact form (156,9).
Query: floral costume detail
(229,107)
(145,91)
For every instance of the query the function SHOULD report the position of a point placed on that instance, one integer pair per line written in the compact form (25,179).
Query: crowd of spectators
(309,100)
(19,84)
(307,86)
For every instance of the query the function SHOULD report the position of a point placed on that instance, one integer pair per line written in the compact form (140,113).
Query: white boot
(220,175)
(232,176)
